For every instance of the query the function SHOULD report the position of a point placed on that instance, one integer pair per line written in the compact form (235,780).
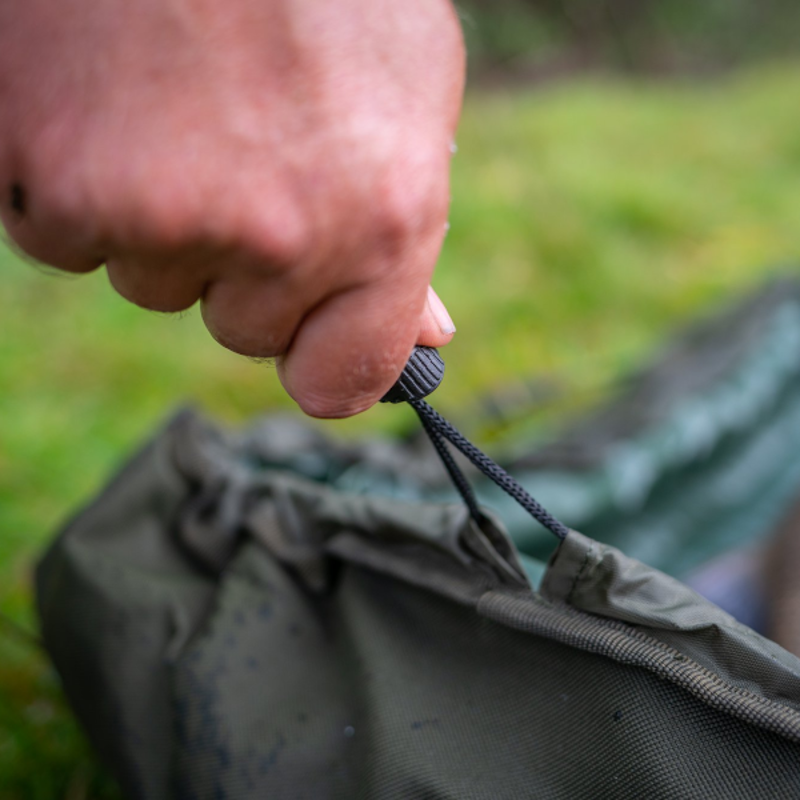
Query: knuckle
(281,239)
(150,218)
(53,198)
(408,202)
(397,215)
(143,203)
(45,218)
(170,225)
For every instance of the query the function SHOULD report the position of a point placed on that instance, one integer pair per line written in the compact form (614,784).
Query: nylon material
(492,528)
(212,542)
(290,509)
(564,567)
(417,566)
(449,529)
(601,580)
(98,597)
(468,558)
(306,558)
(603,591)
(377,689)
(309,512)
(436,737)
(720,443)
(313,514)
(637,736)
(306,514)
(262,698)
(316,508)
(629,645)
(757,669)
(442,735)
(492,547)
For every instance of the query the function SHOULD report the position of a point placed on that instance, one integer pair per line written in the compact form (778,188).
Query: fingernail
(440,314)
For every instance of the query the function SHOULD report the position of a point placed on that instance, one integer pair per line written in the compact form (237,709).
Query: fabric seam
(766,713)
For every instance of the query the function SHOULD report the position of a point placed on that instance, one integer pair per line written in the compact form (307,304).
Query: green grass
(588,220)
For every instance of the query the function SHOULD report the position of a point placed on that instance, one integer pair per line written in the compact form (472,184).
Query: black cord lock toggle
(422,375)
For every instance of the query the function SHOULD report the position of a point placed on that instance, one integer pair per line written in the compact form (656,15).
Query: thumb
(351,348)
(436,327)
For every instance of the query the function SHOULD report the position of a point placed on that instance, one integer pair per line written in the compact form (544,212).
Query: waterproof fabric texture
(227,630)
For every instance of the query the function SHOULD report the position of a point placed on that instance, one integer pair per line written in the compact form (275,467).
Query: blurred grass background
(590,217)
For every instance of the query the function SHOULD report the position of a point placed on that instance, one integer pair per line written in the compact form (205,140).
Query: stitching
(579,573)
(595,634)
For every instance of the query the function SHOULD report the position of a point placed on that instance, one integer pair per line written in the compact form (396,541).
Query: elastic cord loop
(457,476)
(438,428)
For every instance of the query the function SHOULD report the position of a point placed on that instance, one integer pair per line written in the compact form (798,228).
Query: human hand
(284,161)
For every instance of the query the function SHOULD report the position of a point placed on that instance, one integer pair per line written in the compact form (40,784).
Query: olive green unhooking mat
(229,631)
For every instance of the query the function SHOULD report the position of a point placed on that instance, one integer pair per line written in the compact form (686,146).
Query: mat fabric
(224,630)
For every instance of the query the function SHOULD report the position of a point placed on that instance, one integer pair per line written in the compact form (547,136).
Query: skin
(284,162)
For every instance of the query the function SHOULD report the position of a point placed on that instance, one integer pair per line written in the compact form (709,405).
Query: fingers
(45,234)
(255,317)
(341,349)
(158,284)
(344,334)
(350,350)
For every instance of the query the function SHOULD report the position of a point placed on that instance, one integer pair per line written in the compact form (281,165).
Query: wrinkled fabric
(227,629)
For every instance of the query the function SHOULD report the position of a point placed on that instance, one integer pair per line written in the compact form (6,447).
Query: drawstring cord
(423,374)
(438,428)
(438,441)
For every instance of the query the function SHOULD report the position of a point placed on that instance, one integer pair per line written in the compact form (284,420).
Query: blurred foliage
(588,220)
(539,39)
